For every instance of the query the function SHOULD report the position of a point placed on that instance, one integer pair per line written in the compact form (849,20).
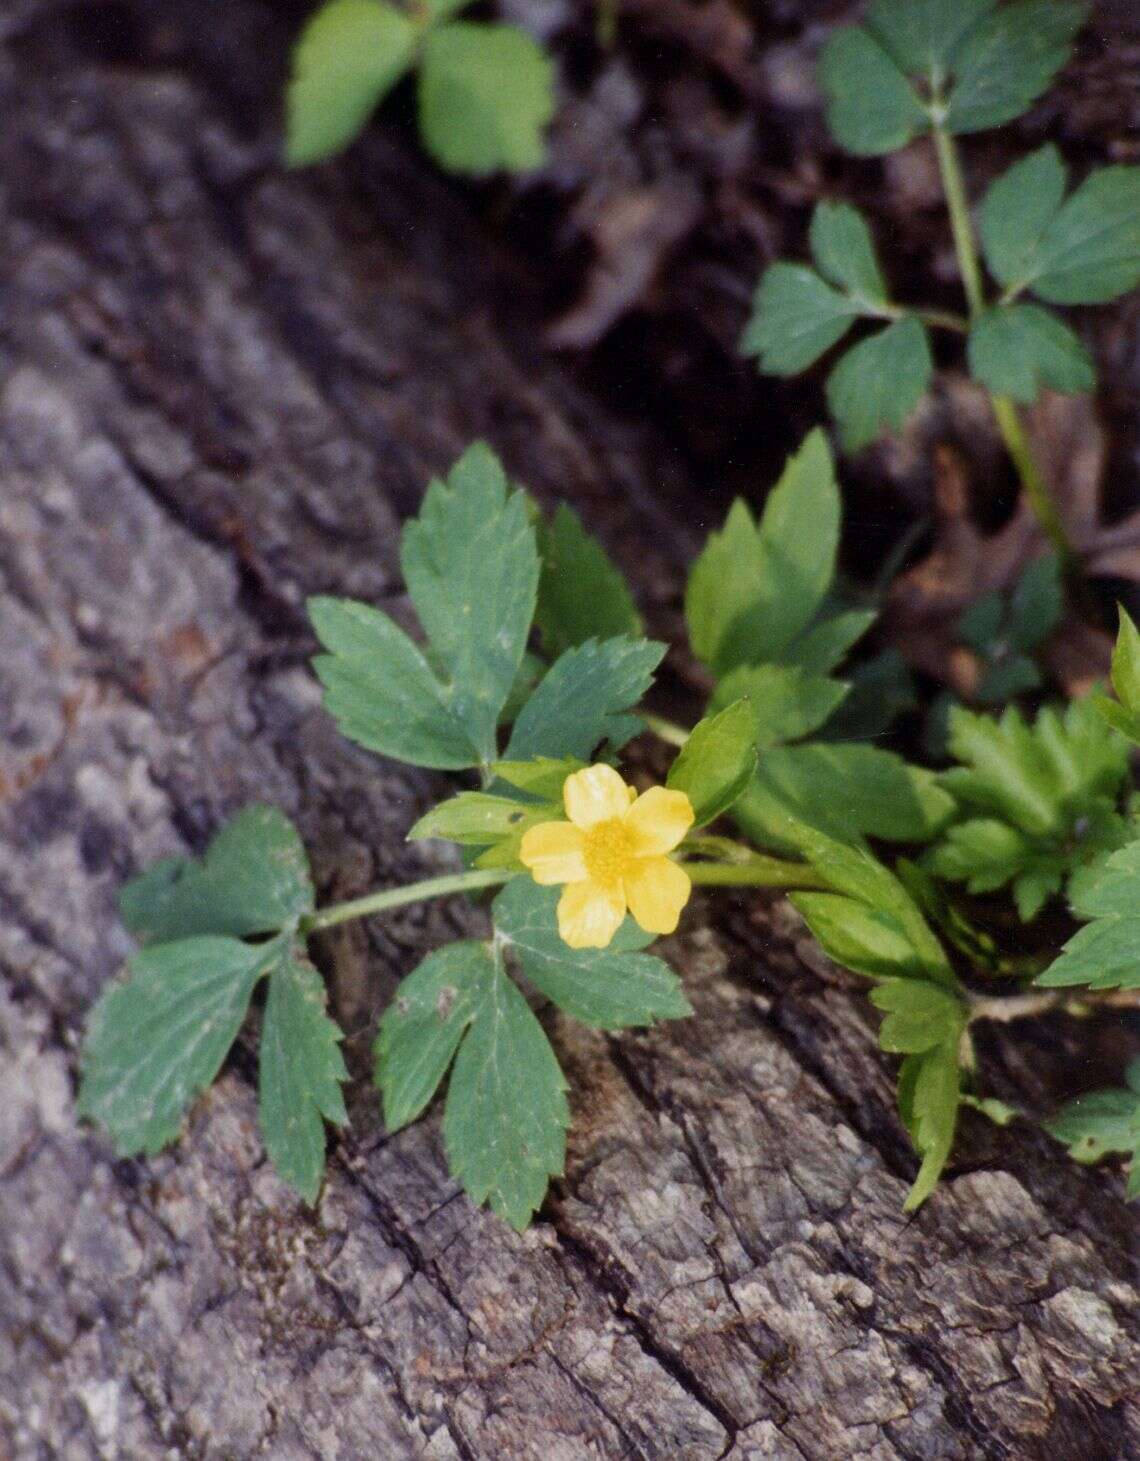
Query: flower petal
(657,890)
(589,914)
(594,795)
(659,819)
(553,852)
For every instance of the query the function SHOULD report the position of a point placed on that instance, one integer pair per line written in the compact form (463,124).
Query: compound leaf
(1016,349)
(929,1097)
(877,383)
(919,1016)
(1015,212)
(1006,62)
(922,36)
(581,595)
(1104,1122)
(795,319)
(844,253)
(871,106)
(1105,954)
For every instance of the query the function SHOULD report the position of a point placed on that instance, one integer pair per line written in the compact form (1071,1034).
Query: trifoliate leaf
(581,595)
(1005,63)
(795,319)
(923,36)
(878,383)
(1102,1123)
(350,54)
(253,879)
(1105,954)
(471,567)
(1123,714)
(819,649)
(871,107)
(422,1027)
(848,791)
(301,1074)
(756,588)
(582,699)
(486,93)
(919,1016)
(478,818)
(472,572)
(860,937)
(786,704)
(504,1124)
(1015,349)
(159,1038)
(929,1094)
(986,854)
(609,989)
(1084,250)
(844,253)
(717,761)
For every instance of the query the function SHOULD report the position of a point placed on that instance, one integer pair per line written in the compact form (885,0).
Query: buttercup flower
(611,856)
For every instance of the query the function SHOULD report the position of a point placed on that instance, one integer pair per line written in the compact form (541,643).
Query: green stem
(387,898)
(1005,413)
(666,730)
(758,872)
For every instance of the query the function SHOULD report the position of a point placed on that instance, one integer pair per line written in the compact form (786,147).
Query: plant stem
(1005,413)
(665,730)
(387,898)
(758,872)
(1012,1007)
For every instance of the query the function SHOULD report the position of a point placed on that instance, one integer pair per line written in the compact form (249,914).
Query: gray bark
(220,388)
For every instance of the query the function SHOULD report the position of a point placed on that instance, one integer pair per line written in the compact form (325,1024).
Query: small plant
(924,67)
(533,689)
(485,91)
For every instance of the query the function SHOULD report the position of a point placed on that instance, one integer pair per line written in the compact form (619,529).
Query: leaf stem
(665,730)
(758,872)
(1005,413)
(1013,1007)
(385,898)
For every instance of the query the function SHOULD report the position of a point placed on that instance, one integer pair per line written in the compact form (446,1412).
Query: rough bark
(221,387)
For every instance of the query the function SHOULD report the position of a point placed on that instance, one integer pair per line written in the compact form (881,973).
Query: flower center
(608,850)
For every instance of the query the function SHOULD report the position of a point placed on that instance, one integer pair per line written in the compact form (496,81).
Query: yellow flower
(611,856)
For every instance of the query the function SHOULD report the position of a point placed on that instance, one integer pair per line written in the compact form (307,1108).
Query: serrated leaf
(919,1016)
(1017,208)
(349,55)
(877,383)
(717,761)
(923,36)
(1015,349)
(795,319)
(860,937)
(254,878)
(846,790)
(422,1027)
(504,1149)
(581,595)
(844,252)
(582,699)
(929,1093)
(786,704)
(1105,954)
(478,818)
(1126,674)
(159,1038)
(755,588)
(871,107)
(471,566)
(608,989)
(486,93)
(1005,64)
(1099,1124)
(300,1075)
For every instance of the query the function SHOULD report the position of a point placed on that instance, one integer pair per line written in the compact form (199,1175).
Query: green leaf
(844,253)
(1100,1123)
(471,567)
(253,879)
(716,762)
(1084,250)
(477,818)
(349,55)
(986,854)
(923,36)
(881,689)
(582,699)
(504,1124)
(860,937)
(1012,676)
(1105,954)
(929,1094)
(1125,716)
(918,1016)
(1016,349)
(991,1108)
(871,107)
(795,319)
(159,1038)
(543,778)
(301,1073)
(609,989)
(1015,212)
(878,383)
(422,1027)
(1005,64)
(581,595)
(1036,604)
(786,704)
(846,790)
(821,647)
(486,93)
(756,588)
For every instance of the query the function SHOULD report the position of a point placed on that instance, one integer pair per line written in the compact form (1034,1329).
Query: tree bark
(222,386)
